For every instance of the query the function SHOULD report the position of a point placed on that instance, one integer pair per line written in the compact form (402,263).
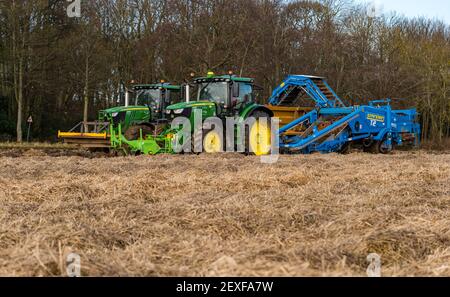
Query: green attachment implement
(148,145)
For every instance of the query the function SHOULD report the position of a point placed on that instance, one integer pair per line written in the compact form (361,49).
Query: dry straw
(225,214)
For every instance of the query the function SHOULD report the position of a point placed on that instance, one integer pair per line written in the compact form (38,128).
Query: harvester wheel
(383,148)
(378,147)
(345,149)
(258,136)
(133,132)
(370,146)
(367,144)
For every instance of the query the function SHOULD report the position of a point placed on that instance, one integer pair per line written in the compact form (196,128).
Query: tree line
(61,69)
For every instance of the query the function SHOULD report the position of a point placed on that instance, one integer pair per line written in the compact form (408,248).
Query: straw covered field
(228,214)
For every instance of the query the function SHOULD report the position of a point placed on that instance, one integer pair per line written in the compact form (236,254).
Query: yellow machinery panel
(82,135)
(88,140)
(289,114)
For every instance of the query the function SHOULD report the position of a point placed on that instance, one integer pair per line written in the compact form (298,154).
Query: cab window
(213,91)
(150,97)
(245,92)
(175,96)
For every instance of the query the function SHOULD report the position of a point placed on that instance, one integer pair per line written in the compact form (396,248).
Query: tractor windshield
(150,97)
(213,91)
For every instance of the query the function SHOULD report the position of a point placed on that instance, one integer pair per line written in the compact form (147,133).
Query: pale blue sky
(439,9)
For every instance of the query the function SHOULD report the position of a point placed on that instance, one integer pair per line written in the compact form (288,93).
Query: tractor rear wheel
(212,142)
(133,132)
(258,136)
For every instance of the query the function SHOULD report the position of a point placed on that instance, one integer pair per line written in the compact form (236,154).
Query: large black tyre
(133,132)
(383,148)
(197,140)
(368,145)
(378,147)
(345,149)
(248,133)
(371,146)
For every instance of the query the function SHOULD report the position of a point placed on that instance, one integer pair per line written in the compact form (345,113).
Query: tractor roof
(223,78)
(156,86)
(308,76)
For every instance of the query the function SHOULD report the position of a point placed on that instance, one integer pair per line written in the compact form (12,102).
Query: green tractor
(225,97)
(121,128)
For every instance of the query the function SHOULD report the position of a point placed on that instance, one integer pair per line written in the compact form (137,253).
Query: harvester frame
(332,127)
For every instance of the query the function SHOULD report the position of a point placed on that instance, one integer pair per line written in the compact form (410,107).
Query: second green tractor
(222,97)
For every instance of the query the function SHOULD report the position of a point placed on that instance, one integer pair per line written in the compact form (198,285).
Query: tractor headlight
(178,111)
(168,111)
(114,114)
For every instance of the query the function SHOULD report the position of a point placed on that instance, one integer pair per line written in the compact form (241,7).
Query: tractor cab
(147,105)
(218,95)
(230,93)
(156,97)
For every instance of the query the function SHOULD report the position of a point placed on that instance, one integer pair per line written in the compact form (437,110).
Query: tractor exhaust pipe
(127,97)
(187,93)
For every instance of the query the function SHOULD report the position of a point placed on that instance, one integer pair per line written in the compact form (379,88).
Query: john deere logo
(375,117)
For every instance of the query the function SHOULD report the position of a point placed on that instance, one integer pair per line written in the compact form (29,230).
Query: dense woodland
(60,69)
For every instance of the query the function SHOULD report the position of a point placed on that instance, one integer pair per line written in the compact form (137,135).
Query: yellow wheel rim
(212,142)
(260,138)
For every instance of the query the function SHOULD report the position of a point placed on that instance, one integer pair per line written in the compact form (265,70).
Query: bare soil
(227,214)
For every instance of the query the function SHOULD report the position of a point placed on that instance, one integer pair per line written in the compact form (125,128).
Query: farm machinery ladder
(315,87)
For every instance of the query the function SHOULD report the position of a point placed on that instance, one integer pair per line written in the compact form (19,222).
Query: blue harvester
(331,126)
